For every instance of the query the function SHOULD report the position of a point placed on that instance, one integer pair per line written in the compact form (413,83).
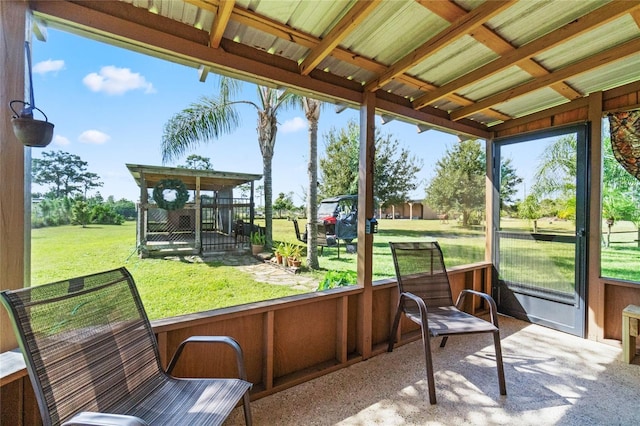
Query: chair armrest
(211,339)
(493,310)
(418,301)
(88,418)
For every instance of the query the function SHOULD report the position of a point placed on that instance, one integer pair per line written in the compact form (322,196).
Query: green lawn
(167,287)
(170,287)
(460,246)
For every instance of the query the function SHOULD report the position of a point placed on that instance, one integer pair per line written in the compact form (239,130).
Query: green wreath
(182,195)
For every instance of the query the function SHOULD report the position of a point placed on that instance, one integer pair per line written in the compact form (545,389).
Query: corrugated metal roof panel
(484,117)
(532,102)
(600,39)
(527,20)
(616,74)
(411,26)
(459,58)
(496,83)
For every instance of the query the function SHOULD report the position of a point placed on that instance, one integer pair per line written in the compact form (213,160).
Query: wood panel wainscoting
(286,341)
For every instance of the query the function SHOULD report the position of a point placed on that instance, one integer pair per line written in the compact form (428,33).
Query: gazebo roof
(210,180)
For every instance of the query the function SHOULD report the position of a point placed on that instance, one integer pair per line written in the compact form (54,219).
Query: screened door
(540,228)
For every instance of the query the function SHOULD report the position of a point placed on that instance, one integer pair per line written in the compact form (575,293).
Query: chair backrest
(420,270)
(87,342)
(299,236)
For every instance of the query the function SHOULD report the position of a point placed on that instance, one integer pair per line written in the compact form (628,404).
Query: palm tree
(312,113)
(557,168)
(211,117)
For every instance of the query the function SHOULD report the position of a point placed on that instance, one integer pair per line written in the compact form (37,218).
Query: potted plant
(285,251)
(257,242)
(278,252)
(294,256)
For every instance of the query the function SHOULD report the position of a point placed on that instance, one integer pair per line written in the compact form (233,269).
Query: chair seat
(93,358)
(186,402)
(448,320)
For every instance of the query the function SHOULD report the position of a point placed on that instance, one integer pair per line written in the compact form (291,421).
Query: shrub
(333,279)
(105,214)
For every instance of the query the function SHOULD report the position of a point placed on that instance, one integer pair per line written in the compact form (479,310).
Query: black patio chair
(93,359)
(425,298)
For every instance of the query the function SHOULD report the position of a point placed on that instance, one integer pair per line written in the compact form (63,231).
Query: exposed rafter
(451,11)
(348,23)
(189,46)
(603,58)
(220,22)
(525,53)
(273,44)
(269,26)
(636,16)
(459,28)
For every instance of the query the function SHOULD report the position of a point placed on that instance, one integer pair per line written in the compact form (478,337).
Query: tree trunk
(267,128)
(465,218)
(312,112)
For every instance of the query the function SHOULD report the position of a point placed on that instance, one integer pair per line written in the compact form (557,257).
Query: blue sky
(109,106)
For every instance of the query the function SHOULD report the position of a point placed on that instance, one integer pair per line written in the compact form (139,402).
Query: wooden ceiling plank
(603,58)
(356,15)
(458,28)
(599,17)
(220,22)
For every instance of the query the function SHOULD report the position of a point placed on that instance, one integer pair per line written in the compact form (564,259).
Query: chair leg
(247,409)
(498,346)
(426,343)
(394,329)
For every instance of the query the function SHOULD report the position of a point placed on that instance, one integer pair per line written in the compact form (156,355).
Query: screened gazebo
(186,211)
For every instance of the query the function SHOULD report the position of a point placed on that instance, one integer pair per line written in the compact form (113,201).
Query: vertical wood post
(595,290)
(365,210)
(198,218)
(492,202)
(12,158)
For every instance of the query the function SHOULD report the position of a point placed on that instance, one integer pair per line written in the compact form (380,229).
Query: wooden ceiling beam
(458,28)
(274,28)
(525,53)
(354,17)
(636,17)
(603,58)
(153,34)
(220,22)
(451,11)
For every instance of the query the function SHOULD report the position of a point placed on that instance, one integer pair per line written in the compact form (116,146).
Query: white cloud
(61,140)
(117,81)
(293,125)
(48,66)
(94,137)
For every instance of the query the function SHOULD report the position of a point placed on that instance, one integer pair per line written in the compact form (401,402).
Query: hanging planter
(29,131)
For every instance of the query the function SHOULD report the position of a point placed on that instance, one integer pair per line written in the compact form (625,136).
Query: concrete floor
(552,379)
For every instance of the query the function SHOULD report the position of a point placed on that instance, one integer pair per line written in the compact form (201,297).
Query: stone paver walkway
(262,271)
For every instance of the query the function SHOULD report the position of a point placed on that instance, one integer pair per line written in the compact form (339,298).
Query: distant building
(412,209)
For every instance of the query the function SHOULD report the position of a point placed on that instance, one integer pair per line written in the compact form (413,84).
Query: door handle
(581,232)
